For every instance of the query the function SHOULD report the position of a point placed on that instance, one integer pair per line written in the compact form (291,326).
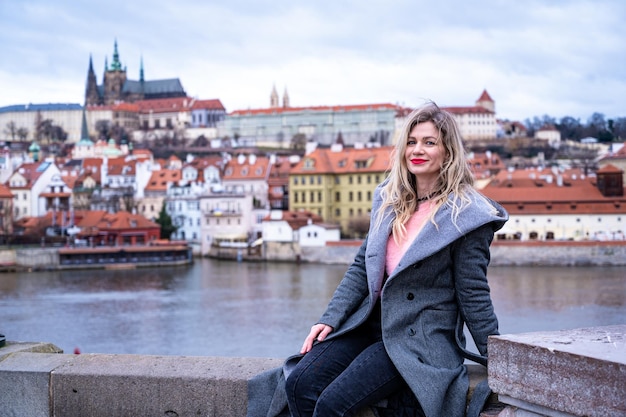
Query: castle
(116,87)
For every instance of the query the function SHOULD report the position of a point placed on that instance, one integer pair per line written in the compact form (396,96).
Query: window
(337,212)
(358,196)
(312,195)
(350,196)
(337,197)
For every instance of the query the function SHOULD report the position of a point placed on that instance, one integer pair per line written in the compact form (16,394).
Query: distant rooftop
(41,107)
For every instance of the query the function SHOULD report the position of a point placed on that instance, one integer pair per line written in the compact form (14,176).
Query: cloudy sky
(534,57)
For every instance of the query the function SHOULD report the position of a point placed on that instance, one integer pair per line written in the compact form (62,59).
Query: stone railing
(571,373)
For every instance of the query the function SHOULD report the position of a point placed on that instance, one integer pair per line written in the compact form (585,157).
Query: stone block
(25,383)
(132,385)
(581,372)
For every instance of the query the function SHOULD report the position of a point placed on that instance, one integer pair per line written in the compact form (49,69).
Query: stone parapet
(579,372)
(37,381)
(99,385)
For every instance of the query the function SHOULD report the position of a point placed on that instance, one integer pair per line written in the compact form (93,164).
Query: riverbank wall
(503,253)
(570,373)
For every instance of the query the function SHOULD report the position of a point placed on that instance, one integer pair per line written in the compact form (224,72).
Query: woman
(393,321)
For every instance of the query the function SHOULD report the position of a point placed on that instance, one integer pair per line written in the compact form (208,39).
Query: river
(224,308)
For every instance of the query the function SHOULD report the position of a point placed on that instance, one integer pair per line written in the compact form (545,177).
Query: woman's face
(424,154)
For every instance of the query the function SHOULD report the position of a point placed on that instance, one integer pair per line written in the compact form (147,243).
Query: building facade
(277,126)
(552,204)
(338,183)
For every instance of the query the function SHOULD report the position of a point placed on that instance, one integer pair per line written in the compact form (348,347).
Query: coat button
(411,332)
(410,296)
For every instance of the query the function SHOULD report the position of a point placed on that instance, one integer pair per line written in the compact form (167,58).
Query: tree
(570,128)
(22,134)
(103,127)
(298,142)
(165,220)
(200,142)
(359,226)
(619,128)
(11,130)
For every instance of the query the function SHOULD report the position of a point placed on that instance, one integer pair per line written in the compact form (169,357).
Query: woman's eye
(411,142)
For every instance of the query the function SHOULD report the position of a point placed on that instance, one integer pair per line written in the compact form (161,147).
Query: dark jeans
(340,376)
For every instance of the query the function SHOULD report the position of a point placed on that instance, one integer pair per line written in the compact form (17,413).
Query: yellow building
(338,184)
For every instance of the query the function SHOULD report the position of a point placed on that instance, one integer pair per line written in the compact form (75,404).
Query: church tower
(114,79)
(286,99)
(92,96)
(274,98)
(486,102)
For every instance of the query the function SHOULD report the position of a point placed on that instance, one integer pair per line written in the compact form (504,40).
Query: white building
(551,204)
(227,219)
(27,184)
(317,234)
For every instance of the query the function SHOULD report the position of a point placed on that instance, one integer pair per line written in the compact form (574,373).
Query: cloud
(536,57)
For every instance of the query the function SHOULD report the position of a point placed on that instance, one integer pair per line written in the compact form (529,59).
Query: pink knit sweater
(413,227)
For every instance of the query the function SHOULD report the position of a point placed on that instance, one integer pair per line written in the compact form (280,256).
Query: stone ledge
(41,384)
(34,347)
(50,384)
(579,372)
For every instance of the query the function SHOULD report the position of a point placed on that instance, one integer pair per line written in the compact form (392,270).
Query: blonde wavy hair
(455,178)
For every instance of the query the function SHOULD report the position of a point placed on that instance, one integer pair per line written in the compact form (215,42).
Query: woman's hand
(318,332)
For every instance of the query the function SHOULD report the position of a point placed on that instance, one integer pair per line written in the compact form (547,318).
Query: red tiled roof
(120,166)
(608,169)
(346,108)
(214,104)
(296,219)
(102,220)
(468,110)
(5,192)
(127,107)
(529,192)
(160,179)
(30,172)
(348,160)
(246,170)
(165,105)
(485,96)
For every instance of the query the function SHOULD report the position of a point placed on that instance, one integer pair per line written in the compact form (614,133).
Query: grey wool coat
(441,281)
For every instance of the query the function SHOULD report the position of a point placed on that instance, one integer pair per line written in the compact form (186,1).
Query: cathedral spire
(91,89)
(84,132)
(141,79)
(116,65)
